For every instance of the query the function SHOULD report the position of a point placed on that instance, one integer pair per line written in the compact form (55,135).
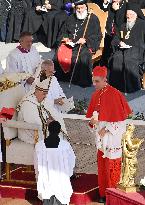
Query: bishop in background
(70,38)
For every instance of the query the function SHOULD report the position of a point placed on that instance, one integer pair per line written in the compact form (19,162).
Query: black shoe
(102,200)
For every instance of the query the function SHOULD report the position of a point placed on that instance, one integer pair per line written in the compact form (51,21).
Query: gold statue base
(128,189)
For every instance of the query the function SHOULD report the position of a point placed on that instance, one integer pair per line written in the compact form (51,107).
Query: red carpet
(84,186)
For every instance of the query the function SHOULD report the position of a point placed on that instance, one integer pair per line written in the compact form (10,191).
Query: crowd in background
(49,23)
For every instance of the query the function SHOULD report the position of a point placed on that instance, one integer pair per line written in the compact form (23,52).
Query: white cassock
(18,62)
(110,144)
(54,167)
(29,113)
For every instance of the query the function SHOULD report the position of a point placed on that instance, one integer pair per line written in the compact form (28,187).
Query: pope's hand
(30,80)
(59,101)
(102,132)
(81,41)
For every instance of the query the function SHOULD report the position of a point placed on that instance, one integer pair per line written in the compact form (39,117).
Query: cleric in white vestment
(55,92)
(24,58)
(54,164)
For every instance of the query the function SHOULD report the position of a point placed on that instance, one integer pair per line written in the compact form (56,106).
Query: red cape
(113,105)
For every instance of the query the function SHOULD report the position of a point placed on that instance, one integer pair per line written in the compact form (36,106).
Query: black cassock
(48,22)
(42,23)
(114,21)
(32,18)
(15,20)
(141,3)
(58,22)
(125,74)
(4,10)
(74,29)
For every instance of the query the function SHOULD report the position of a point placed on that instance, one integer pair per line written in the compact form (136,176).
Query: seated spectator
(69,41)
(54,164)
(35,108)
(60,19)
(129,52)
(39,20)
(5,6)
(116,17)
(15,20)
(24,58)
(33,19)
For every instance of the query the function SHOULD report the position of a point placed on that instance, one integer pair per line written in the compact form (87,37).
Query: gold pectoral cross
(122,34)
(127,35)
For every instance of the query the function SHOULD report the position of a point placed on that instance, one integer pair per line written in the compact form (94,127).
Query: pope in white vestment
(33,111)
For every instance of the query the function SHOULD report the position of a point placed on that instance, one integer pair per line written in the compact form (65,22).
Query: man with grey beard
(70,39)
(129,45)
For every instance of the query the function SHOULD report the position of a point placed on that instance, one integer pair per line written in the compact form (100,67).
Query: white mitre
(44,85)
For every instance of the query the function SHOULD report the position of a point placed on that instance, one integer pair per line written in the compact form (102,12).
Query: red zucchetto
(100,71)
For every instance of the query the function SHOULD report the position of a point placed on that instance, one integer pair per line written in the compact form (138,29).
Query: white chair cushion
(19,152)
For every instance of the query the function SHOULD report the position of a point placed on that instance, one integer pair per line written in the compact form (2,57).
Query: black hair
(24,34)
(54,127)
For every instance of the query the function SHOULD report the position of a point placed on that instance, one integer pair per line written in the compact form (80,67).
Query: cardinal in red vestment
(108,110)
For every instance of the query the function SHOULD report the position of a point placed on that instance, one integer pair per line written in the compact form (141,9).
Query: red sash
(64,57)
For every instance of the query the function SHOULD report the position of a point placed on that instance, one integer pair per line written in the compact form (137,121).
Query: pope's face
(26,42)
(40,95)
(99,82)
(131,16)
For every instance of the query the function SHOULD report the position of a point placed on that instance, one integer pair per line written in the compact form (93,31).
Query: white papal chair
(17,152)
